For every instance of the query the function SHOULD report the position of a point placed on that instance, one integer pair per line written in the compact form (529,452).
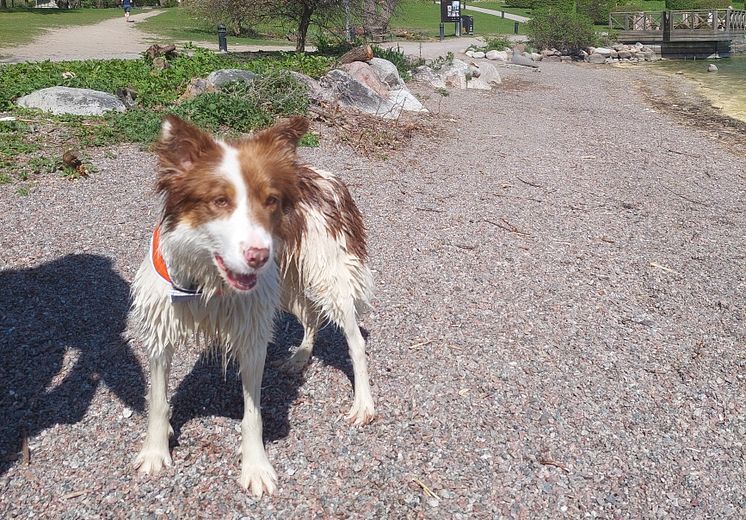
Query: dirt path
(557,330)
(108,39)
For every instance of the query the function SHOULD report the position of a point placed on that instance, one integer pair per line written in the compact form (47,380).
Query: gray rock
(536,56)
(75,101)
(469,53)
(603,51)
(487,73)
(426,75)
(565,59)
(551,59)
(497,55)
(347,91)
(386,72)
(625,54)
(315,92)
(520,59)
(363,73)
(712,68)
(222,77)
(454,75)
(597,58)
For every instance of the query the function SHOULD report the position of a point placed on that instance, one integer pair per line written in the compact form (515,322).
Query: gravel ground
(558,330)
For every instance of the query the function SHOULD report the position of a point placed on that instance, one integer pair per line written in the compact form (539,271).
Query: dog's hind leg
(307,316)
(154,454)
(257,474)
(362,411)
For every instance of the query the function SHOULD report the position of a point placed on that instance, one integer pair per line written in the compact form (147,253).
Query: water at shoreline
(725,88)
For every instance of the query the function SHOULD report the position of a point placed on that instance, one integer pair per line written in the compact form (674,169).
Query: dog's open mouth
(240,282)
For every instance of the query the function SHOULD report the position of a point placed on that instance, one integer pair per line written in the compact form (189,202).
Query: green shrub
(697,4)
(404,64)
(565,31)
(596,10)
(522,4)
(567,6)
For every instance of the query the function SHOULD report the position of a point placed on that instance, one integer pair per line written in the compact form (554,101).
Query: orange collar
(159,264)
(160,267)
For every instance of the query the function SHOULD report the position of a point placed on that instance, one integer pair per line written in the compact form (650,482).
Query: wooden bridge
(691,32)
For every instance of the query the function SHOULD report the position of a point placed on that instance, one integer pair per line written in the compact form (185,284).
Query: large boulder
(222,77)
(487,75)
(315,91)
(75,101)
(597,58)
(386,72)
(347,91)
(365,74)
(520,59)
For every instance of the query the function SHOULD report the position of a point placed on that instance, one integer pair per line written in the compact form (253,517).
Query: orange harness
(160,267)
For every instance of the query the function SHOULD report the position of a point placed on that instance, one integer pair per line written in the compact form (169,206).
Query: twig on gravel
(459,246)
(507,226)
(74,494)
(664,268)
(546,461)
(430,209)
(529,183)
(608,240)
(421,344)
(429,492)
(686,198)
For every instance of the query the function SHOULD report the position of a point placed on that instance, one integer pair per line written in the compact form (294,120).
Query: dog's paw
(150,461)
(362,412)
(258,478)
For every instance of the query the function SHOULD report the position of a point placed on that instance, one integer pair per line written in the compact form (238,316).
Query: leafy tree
(596,10)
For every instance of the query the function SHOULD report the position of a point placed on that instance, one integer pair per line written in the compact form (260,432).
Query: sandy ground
(558,329)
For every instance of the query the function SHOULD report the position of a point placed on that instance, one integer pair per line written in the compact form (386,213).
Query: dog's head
(228,199)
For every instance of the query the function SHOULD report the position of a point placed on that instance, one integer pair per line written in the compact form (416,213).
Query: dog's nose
(256,256)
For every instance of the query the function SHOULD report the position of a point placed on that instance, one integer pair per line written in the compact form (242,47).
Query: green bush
(698,4)
(522,4)
(565,31)
(154,87)
(566,6)
(596,10)
(404,64)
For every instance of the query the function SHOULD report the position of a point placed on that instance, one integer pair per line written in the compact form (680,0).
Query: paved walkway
(493,12)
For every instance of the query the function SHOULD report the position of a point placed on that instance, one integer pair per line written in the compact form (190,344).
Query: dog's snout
(256,256)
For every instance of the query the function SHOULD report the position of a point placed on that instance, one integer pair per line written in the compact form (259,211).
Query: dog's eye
(271,201)
(221,202)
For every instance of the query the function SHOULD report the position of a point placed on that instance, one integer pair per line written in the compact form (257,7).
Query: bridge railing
(705,20)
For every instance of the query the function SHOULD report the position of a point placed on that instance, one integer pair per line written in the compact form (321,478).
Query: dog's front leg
(154,454)
(257,473)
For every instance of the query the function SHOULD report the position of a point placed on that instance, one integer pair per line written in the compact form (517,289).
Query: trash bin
(467,24)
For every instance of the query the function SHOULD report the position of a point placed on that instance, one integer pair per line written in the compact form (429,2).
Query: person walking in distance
(127,5)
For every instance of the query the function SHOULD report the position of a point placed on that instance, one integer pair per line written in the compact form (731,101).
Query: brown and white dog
(245,228)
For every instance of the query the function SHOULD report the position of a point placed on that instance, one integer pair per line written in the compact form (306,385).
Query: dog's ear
(181,144)
(285,134)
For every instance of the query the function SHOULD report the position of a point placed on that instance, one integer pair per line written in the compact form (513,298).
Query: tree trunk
(3,4)
(304,22)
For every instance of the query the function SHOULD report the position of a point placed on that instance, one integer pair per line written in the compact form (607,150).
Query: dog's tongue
(242,282)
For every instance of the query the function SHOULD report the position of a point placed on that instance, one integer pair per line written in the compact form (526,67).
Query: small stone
(433,502)
(712,68)
(127,413)
(470,53)
(478,54)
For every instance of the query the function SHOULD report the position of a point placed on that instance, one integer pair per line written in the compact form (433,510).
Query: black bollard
(222,40)
(515,28)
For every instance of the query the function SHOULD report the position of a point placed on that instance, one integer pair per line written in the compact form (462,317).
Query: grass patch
(175,23)
(19,26)
(422,17)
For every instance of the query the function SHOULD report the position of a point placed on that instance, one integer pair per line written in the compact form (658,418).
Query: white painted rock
(478,54)
(497,55)
(536,56)
(386,72)
(469,54)
(75,101)
(222,77)
(712,68)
